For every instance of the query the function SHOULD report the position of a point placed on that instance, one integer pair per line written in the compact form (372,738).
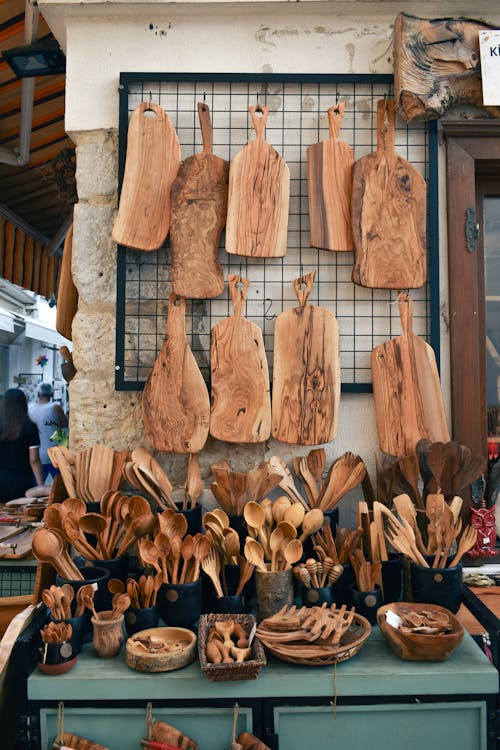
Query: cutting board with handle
(306,377)
(151,165)
(241,402)
(175,401)
(388,214)
(259,191)
(406,390)
(67,293)
(329,185)
(197,217)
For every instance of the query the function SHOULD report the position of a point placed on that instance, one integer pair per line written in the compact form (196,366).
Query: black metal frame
(128,80)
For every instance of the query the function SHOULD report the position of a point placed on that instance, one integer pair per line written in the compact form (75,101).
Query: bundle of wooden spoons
(142,592)
(344,474)
(50,547)
(58,599)
(145,473)
(233,489)
(89,473)
(56,632)
(119,603)
(339,549)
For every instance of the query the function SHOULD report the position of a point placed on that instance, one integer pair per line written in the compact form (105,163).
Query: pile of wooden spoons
(119,603)
(344,474)
(233,489)
(58,599)
(225,544)
(89,473)
(367,574)
(339,549)
(142,592)
(56,632)
(145,473)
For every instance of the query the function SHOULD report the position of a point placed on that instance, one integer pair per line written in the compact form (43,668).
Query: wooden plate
(180,642)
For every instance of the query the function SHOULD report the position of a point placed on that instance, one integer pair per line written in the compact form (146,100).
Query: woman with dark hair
(20,466)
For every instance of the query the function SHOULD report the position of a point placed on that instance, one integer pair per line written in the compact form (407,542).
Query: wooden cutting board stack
(407,391)
(198,216)
(175,401)
(329,183)
(388,214)
(259,190)
(151,165)
(306,377)
(241,404)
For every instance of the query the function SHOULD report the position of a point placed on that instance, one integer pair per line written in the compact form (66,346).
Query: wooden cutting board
(406,390)
(67,293)
(198,215)
(306,378)
(388,214)
(259,191)
(175,401)
(329,184)
(241,402)
(151,165)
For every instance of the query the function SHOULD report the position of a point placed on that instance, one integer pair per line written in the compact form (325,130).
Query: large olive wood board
(306,375)
(241,402)
(388,214)
(67,293)
(329,185)
(259,192)
(197,217)
(406,390)
(175,401)
(151,165)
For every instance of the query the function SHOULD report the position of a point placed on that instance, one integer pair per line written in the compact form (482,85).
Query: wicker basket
(246,670)
(315,655)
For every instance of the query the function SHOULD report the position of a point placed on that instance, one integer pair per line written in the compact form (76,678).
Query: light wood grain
(306,376)
(388,214)
(175,401)
(198,216)
(406,390)
(151,165)
(241,402)
(329,184)
(259,190)
(67,293)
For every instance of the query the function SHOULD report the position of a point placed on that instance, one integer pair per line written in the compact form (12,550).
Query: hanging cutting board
(198,215)
(151,165)
(67,293)
(329,185)
(306,377)
(406,390)
(175,401)
(241,402)
(259,191)
(388,214)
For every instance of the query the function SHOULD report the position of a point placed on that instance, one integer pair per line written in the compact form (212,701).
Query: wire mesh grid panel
(297,118)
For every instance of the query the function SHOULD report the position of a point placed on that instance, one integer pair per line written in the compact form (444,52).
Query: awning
(11,326)
(39,331)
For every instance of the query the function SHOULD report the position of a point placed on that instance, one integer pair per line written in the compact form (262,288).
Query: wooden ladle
(255,554)
(49,547)
(94,523)
(313,521)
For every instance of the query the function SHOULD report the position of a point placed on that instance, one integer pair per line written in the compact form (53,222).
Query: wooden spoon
(292,552)
(200,550)
(313,521)
(280,506)
(52,517)
(69,595)
(94,523)
(294,515)
(187,548)
(115,586)
(255,554)
(287,484)
(194,482)
(49,547)
(231,545)
(275,543)
(255,517)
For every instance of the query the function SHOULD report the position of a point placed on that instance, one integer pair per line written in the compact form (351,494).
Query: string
(60,722)
(149,720)
(334,704)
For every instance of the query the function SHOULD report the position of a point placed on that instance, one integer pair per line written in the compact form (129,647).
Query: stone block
(94,253)
(96,164)
(94,343)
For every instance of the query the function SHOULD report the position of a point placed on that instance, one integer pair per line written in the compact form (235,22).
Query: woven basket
(246,670)
(316,655)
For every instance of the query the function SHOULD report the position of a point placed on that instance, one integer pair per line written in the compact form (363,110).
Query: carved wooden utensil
(67,293)
(259,191)
(241,401)
(306,380)
(175,401)
(406,390)
(388,214)
(151,165)
(329,185)
(198,215)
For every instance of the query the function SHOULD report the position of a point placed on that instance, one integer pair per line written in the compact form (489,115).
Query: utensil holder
(274,591)
(441,586)
(318,596)
(108,634)
(137,619)
(79,626)
(392,578)
(99,577)
(342,587)
(180,604)
(239,524)
(366,603)
(193,518)
(331,518)
(232,604)
(57,658)
(117,567)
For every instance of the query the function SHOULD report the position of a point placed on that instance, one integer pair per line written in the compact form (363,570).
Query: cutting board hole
(149,114)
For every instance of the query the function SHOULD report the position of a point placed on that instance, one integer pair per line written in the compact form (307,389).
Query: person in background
(20,465)
(48,416)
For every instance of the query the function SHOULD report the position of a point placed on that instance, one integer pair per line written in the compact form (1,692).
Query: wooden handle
(385,125)
(335,116)
(206,127)
(238,289)
(405,313)
(259,123)
(176,320)
(303,294)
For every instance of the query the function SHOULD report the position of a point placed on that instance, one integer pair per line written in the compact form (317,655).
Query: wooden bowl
(180,641)
(419,646)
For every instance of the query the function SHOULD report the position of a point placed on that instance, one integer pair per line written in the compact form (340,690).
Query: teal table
(374,700)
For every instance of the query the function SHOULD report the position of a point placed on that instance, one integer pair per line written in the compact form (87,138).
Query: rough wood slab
(259,190)
(388,214)
(241,402)
(151,165)
(198,216)
(329,184)
(175,401)
(67,293)
(306,376)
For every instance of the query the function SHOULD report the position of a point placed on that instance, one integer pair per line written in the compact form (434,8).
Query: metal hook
(337,97)
(204,96)
(268,309)
(150,97)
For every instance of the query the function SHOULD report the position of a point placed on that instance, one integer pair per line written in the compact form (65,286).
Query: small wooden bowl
(419,646)
(163,661)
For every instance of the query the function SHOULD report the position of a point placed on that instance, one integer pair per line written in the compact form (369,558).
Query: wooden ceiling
(42,191)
